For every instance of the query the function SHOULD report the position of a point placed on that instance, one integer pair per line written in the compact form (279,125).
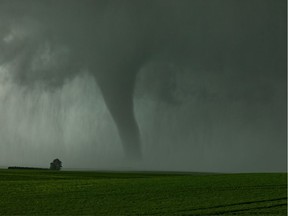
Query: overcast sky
(208,81)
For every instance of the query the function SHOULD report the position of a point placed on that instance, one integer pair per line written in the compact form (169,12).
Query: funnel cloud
(186,85)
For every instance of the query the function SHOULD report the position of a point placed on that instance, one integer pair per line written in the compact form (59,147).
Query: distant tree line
(27,168)
(56,164)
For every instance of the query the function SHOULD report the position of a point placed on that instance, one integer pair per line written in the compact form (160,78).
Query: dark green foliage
(56,164)
(26,168)
(25,192)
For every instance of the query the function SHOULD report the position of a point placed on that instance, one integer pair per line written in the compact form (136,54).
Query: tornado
(188,83)
(102,37)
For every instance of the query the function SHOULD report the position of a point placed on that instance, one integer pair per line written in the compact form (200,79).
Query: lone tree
(56,164)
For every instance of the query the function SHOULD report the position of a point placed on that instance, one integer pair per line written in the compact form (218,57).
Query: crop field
(40,192)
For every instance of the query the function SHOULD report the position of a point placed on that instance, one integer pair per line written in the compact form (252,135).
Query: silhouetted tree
(56,164)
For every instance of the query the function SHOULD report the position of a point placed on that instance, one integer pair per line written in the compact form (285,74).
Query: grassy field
(24,192)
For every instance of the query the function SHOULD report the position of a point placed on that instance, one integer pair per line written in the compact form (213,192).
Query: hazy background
(203,131)
(191,118)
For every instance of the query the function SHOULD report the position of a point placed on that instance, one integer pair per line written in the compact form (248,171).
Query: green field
(31,192)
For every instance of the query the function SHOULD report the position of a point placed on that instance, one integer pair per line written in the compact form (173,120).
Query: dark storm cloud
(209,80)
